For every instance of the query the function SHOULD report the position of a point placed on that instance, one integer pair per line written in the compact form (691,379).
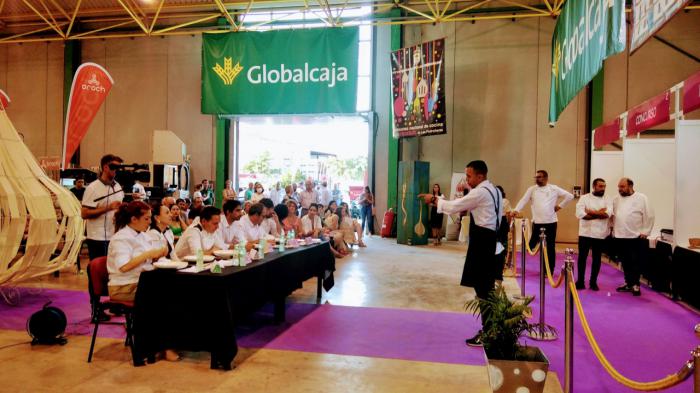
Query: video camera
(128,174)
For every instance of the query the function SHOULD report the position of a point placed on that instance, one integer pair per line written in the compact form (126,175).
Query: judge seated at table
(249,229)
(203,235)
(233,211)
(311,223)
(271,223)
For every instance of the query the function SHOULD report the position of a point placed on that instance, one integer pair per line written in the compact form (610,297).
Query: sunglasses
(114,167)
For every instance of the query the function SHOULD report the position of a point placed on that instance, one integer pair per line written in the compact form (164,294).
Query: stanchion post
(523,255)
(541,333)
(567,271)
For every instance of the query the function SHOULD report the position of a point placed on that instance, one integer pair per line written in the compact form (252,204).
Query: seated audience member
(195,210)
(311,223)
(168,201)
(329,211)
(349,226)
(292,221)
(160,233)
(246,206)
(282,212)
(202,235)
(332,228)
(177,225)
(271,224)
(232,213)
(249,229)
(130,252)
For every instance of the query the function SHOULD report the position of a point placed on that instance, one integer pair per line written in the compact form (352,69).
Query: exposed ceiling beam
(72,20)
(54,27)
(225,13)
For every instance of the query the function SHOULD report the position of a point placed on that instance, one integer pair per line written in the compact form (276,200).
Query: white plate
(193,258)
(225,254)
(315,241)
(170,264)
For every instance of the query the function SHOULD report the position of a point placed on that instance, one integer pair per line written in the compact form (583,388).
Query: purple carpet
(645,338)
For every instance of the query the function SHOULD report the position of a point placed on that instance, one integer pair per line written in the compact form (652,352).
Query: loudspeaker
(47,326)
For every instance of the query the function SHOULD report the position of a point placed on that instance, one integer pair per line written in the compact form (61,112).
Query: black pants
(551,231)
(596,247)
(631,253)
(97,248)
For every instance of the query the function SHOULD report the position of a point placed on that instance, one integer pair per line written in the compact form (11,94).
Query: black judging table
(199,311)
(686,270)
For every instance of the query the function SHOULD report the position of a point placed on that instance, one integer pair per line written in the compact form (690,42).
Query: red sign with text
(4,100)
(651,113)
(607,133)
(691,93)
(89,90)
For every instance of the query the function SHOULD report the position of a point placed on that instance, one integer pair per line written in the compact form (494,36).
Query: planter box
(515,376)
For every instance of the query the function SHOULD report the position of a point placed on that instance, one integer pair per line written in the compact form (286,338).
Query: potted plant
(512,367)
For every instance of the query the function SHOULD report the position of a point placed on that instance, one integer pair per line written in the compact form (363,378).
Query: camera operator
(100,201)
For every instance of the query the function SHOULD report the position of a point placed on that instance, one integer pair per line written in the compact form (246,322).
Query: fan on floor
(47,326)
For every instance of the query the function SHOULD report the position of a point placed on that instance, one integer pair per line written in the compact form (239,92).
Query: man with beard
(545,205)
(593,211)
(633,220)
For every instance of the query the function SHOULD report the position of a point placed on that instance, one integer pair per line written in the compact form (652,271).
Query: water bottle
(281,245)
(200,260)
(263,246)
(241,254)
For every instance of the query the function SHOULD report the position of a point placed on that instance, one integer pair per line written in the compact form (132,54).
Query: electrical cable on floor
(15,344)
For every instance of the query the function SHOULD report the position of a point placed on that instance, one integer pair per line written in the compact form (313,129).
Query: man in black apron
(484,203)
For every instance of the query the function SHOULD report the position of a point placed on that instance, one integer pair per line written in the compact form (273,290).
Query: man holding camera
(100,201)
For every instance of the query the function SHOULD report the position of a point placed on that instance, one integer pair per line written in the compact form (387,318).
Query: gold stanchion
(542,333)
(567,271)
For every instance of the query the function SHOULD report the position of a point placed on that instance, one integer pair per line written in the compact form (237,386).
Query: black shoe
(624,288)
(636,291)
(593,286)
(580,285)
(475,341)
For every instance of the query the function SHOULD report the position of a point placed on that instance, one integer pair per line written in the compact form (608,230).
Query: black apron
(481,255)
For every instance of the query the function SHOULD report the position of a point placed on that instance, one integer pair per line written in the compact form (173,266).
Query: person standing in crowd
(78,189)
(202,235)
(593,211)
(502,237)
(336,193)
(259,193)
(249,192)
(485,207)
(100,200)
(324,194)
(208,197)
(228,194)
(367,203)
(435,217)
(232,213)
(545,205)
(307,197)
(197,192)
(276,194)
(288,195)
(633,220)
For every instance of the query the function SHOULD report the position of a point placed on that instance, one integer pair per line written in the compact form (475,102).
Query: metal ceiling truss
(61,20)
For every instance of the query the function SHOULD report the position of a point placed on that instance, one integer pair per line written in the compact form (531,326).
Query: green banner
(587,32)
(280,72)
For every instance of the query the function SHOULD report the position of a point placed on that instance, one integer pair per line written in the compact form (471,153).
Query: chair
(98,277)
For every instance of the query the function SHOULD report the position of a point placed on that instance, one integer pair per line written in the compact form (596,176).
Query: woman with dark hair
(330,210)
(331,224)
(160,233)
(130,251)
(177,225)
(349,227)
(292,221)
(435,217)
(367,203)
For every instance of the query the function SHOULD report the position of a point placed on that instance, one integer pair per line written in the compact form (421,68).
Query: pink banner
(4,100)
(651,113)
(607,133)
(691,93)
(89,90)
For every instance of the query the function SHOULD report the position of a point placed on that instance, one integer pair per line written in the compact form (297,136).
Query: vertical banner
(691,93)
(91,84)
(649,16)
(4,100)
(280,71)
(607,133)
(650,113)
(418,86)
(587,32)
